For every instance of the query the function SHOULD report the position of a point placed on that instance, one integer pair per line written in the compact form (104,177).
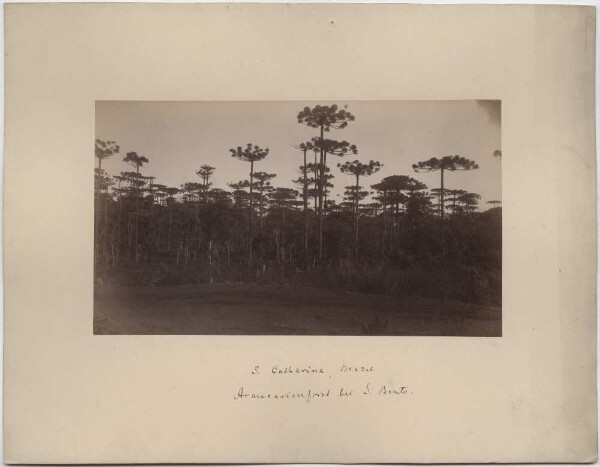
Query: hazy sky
(178,137)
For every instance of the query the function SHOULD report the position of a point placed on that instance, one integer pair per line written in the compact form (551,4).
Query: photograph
(331,218)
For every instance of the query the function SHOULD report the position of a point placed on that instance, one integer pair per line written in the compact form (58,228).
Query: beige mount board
(75,397)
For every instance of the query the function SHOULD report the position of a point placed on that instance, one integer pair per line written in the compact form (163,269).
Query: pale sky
(178,137)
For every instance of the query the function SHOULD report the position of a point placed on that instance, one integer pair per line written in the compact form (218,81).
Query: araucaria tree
(205,172)
(104,150)
(263,184)
(324,118)
(455,195)
(251,153)
(469,202)
(450,163)
(304,148)
(358,169)
(395,191)
(136,161)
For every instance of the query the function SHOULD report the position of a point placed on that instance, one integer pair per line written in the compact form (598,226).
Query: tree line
(408,239)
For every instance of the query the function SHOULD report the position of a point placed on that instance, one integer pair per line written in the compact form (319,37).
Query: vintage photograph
(350,218)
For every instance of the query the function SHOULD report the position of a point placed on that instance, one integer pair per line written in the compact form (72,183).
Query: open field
(242,308)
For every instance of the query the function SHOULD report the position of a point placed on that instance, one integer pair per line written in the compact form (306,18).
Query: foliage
(326,117)
(451,163)
(135,161)
(104,150)
(250,153)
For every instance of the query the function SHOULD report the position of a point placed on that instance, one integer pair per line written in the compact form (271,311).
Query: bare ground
(252,309)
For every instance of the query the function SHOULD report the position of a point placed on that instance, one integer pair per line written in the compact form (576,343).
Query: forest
(389,234)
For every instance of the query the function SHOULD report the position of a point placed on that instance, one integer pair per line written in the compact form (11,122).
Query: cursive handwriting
(305,395)
(311,370)
(310,394)
(276,370)
(346,381)
(356,369)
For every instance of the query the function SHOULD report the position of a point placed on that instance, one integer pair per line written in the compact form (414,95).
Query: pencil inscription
(351,384)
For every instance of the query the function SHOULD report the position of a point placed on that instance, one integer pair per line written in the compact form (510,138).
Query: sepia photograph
(349,218)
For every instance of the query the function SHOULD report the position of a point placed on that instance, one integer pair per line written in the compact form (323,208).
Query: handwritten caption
(348,382)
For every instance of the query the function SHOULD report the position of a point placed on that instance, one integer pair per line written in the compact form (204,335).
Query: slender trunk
(250,213)
(442,213)
(396,214)
(316,175)
(112,249)
(260,206)
(150,234)
(384,222)
(356,220)
(277,248)
(97,211)
(130,229)
(261,217)
(442,194)
(137,215)
(304,195)
(324,183)
(119,231)
(105,228)
(321,175)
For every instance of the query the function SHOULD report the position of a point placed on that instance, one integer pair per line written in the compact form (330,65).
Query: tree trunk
(442,217)
(316,175)
(356,219)
(119,232)
(260,207)
(454,204)
(137,215)
(105,227)
(250,206)
(320,215)
(324,183)
(305,199)
(384,201)
(97,211)
(442,195)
